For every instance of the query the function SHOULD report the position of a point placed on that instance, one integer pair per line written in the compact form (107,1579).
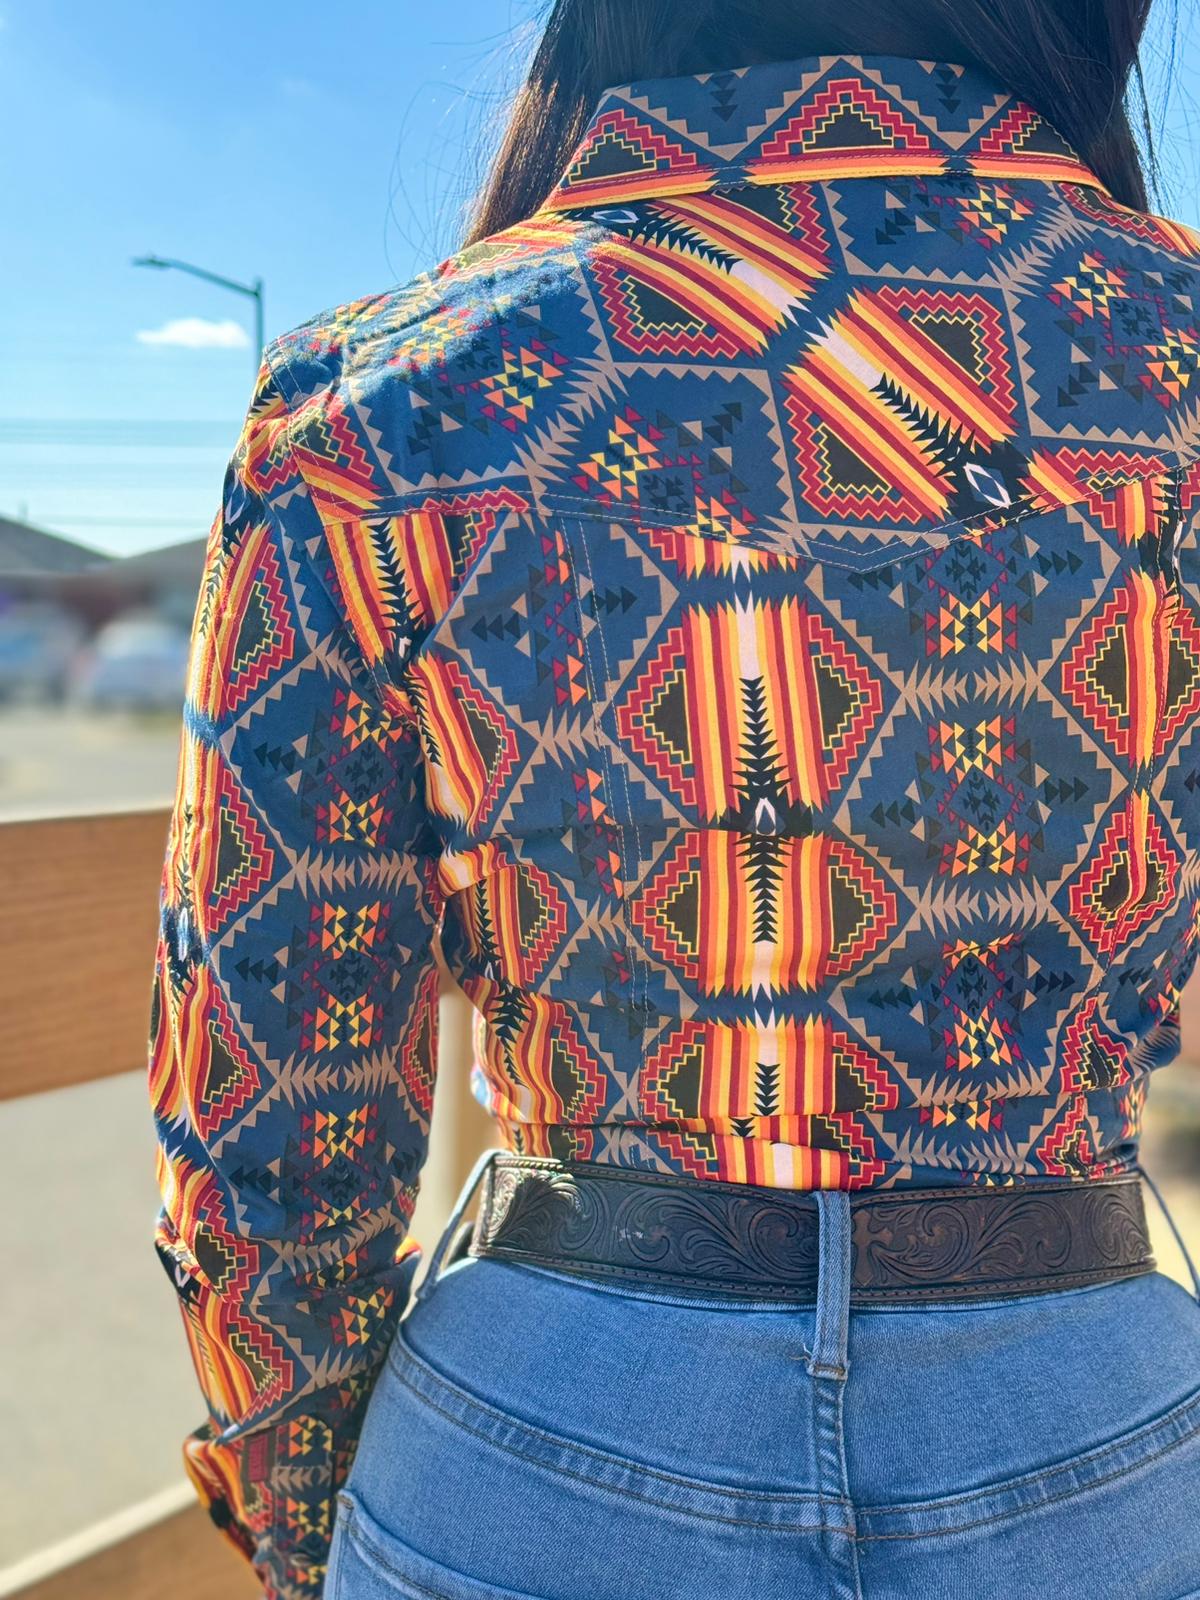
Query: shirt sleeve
(293,1029)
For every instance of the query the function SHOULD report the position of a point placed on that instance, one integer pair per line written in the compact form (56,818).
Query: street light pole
(253,290)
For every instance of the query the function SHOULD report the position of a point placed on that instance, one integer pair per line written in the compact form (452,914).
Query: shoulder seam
(274,350)
(376,672)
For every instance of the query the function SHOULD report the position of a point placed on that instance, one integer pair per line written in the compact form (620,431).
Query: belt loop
(834,1262)
(451,1228)
(1187,1255)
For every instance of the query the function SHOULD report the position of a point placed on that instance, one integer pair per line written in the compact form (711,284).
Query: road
(55,760)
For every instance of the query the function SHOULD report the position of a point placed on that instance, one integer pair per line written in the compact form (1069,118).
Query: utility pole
(253,290)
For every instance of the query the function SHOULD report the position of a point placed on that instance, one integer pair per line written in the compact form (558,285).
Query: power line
(127,522)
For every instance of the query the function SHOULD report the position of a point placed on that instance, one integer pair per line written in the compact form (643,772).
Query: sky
(327,149)
(331,158)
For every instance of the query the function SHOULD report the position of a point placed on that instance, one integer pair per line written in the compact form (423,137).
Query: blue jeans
(541,1436)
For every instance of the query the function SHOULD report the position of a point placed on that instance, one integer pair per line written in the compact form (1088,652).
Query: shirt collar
(817,117)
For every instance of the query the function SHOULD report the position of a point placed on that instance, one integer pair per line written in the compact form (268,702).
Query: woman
(744,608)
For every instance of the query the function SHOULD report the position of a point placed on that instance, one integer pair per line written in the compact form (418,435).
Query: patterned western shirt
(747,618)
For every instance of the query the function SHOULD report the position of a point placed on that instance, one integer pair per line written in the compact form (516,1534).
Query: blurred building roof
(26,550)
(169,563)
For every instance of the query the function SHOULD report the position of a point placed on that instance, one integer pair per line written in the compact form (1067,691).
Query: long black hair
(1072,60)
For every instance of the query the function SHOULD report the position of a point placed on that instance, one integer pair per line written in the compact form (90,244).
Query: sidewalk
(97,1390)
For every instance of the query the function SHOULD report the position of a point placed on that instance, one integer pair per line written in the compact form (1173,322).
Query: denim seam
(1036,1505)
(627,1468)
(599,1269)
(991,1302)
(1114,1447)
(828,1368)
(1142,1460)
(616,1463)
(360,1534)
(631,1290)
(829,1439)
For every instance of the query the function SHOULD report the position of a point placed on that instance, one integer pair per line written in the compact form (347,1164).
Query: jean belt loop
(465,1196)
(834,1263)
(1179,1240)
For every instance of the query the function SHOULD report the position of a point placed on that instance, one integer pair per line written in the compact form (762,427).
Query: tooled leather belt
(909,1244)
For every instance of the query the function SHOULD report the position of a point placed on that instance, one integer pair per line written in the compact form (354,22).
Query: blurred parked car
(39,643)
(138,661)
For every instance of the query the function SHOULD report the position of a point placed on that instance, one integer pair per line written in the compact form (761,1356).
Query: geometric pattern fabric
(747,618)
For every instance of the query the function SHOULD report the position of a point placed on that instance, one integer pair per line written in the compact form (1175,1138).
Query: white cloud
(197,333)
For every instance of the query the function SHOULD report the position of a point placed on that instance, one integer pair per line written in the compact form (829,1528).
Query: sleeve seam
(380,678)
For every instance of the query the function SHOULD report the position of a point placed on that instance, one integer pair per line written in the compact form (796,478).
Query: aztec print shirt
(747,619)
